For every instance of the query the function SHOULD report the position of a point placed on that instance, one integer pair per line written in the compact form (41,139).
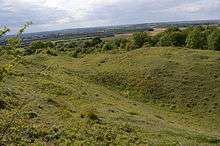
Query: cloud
(61,14)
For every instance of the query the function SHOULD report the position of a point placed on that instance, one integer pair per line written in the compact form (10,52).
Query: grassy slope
(147,96)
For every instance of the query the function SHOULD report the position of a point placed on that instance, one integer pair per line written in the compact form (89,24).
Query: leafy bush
(173,36)
(13,43)
(120,43)
(108,46)
(139,38)
(176,38)
(130,46)
(37,46)
(49,44)
(95,41)
(165,40)
(214,40)
(52,52)
(5,70)
(71,44)
(74,54)
(196,39)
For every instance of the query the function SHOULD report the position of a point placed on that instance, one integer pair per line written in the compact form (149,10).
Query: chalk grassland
(149,96)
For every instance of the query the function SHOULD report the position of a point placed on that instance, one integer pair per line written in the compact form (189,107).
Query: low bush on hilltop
(196,39)
(172,37)
(37,46)
(214,40)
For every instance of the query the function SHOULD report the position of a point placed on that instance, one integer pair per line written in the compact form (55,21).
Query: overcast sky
(62,14)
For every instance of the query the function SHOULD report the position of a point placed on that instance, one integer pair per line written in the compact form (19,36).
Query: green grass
(150,96)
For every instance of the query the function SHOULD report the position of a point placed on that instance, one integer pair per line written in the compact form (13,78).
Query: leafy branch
(4,31)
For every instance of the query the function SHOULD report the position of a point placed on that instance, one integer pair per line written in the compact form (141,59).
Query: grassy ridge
(98,99)
(186,79)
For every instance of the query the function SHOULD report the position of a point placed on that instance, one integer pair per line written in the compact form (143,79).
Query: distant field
(149,96)
(127,35)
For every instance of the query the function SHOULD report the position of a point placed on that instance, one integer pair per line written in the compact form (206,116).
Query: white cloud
(59,14)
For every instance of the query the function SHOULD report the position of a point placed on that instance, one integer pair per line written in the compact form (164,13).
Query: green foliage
(5,70)
(197,39)
(4,31)
(214,40)
(130,46)
(120,43)
(139,38)
(49,97)
(172,38)
(95,41)
(13,43)
(108,46)
(172,29)
(38,46)
(74,54)
(23,28)
(51,52)
(165,40)
(72,44)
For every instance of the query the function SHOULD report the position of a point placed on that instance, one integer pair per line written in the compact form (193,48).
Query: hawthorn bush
(214,40)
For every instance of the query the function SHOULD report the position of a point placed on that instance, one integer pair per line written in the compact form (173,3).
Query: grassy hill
(150,96)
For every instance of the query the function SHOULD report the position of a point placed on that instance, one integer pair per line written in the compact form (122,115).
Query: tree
(196,39)
(214,40)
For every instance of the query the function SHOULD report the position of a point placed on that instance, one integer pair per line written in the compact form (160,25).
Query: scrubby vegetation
(205,38)
(141,90)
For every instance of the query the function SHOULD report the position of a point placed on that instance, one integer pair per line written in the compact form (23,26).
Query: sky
(49,15)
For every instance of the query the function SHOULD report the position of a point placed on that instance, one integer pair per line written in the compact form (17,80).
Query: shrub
(178,39)
(120,43)
(71,44)
(95,41)
(13,43)
(51,52)
(108,46)
(74,54)
(165,40)
(139,39)
(173,36)
(214,40)
(5,70)
(130,46)
(196,39)
(155,39)
(49,44)
(36,45)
